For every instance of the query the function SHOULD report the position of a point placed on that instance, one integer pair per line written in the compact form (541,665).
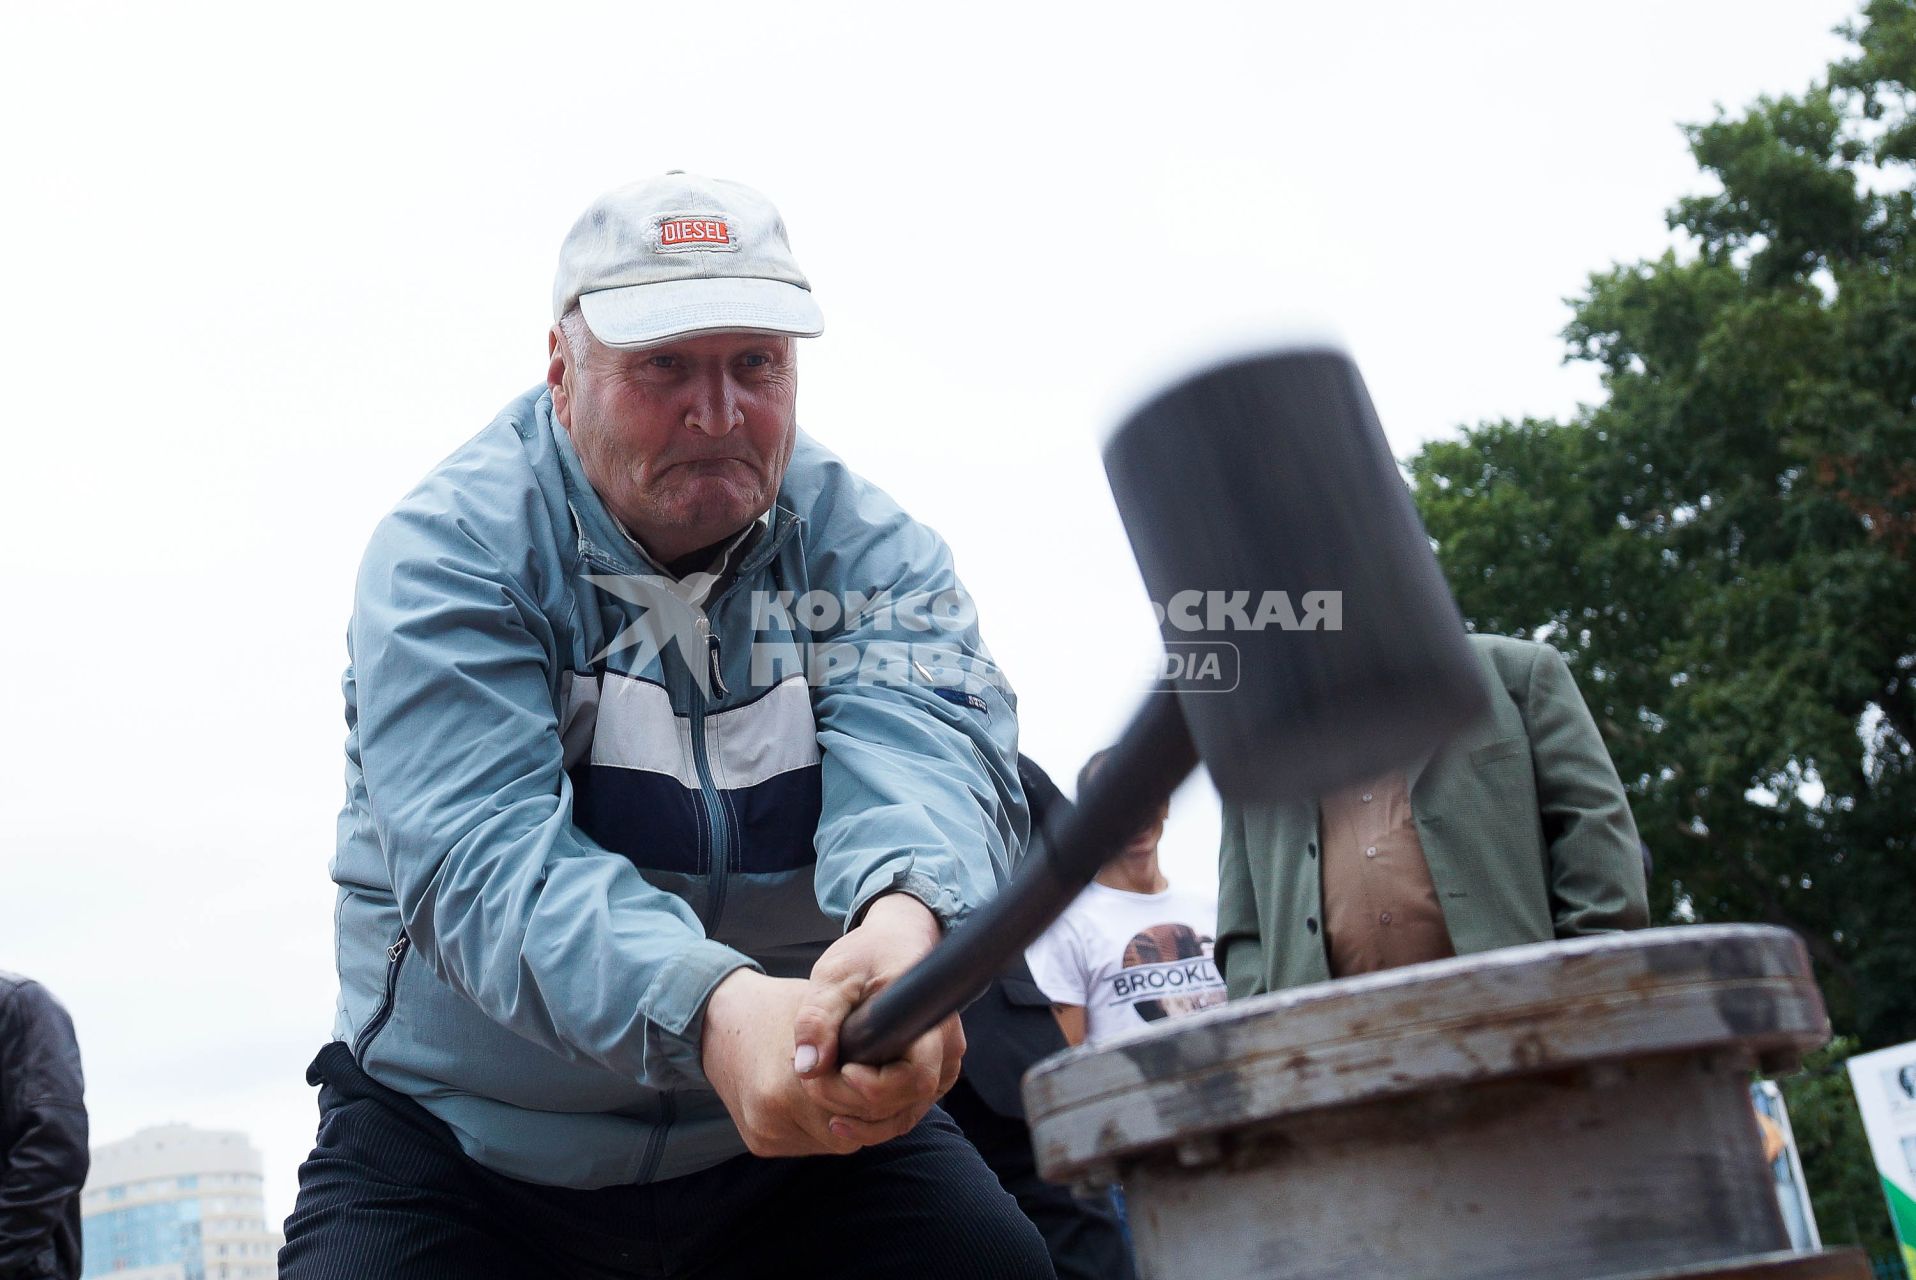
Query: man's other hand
(770,1044)
(747,1055)
(869,1105)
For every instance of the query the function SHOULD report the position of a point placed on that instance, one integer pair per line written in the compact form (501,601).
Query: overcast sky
(263,265)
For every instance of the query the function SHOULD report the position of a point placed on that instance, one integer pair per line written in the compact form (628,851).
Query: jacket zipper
(715,819)
(721,852)
(395,954)
(714,668)
(715,809)
(715,814)
(655,1145)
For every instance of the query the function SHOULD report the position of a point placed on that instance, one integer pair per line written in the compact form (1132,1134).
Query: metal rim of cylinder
(1184,1086)
(1446,1101)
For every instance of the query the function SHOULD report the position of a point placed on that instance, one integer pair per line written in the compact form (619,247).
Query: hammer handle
(1145,766)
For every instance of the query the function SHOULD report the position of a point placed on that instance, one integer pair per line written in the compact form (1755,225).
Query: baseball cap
(679,254)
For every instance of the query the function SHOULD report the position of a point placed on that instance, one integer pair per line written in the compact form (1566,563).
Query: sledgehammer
(1264,474)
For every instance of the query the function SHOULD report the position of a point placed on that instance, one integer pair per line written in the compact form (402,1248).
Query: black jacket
(43,1135)
(1011,1026)
(1007,1029)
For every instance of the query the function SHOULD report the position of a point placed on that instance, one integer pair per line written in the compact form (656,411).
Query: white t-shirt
(1129,958)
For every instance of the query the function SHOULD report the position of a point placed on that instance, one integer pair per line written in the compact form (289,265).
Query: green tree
(1723,546)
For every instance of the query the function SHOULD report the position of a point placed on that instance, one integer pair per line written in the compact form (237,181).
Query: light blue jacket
(559,835)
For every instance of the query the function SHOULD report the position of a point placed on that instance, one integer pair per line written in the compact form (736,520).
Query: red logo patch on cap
(695,231)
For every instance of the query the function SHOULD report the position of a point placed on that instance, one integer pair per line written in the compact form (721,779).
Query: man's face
(687,441)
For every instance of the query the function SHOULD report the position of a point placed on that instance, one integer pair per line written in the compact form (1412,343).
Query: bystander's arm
(1239,951)
(1070,1021)
(1061,968)
(1596,866)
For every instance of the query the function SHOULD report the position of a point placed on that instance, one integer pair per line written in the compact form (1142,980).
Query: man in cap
(670,742)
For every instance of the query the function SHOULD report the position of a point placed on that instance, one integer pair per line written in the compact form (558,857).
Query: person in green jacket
(1516,831)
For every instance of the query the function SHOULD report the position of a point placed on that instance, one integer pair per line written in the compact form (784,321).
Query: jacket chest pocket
(1501,749)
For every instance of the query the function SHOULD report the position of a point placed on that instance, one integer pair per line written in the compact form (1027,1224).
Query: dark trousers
(387,1193)
(1083,1236)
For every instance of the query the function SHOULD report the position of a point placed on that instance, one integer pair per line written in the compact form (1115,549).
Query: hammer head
(1308,631)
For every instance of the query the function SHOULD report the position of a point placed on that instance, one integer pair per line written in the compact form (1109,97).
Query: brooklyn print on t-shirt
(1129,959)
(1167,970)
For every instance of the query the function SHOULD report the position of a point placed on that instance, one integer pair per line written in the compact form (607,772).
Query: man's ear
(558,367)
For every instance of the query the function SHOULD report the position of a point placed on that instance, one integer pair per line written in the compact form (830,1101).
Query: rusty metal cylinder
(1577,1110)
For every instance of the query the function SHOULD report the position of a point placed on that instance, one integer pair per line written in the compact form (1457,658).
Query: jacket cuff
(675,1004)
(943,903)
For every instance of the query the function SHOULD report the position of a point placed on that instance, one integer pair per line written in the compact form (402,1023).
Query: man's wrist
(731,994)
(899,909)
(941,902)
(724,1021)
